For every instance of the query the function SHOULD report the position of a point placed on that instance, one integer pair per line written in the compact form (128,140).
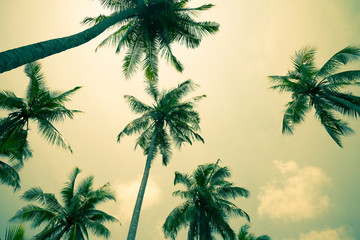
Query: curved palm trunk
(17,57)
(140,197)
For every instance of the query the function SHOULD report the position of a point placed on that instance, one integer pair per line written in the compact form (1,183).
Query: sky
(303,187)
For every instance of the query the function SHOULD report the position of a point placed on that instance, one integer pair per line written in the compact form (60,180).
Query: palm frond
(334,127)
(37,84)
(15,232)
(150,62)
(164,146)
(91,21)
(136,105)
(9,176)
(295,113)
(68,191)
(48,200)
(9,101)
(51,134)
(117,5)
(343,79)
(304,58)
(152,90)
(135,126)
(343,57)
(64,97)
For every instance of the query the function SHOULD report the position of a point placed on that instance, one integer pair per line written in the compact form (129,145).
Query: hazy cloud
(328,234)
(127,193)
(297,194)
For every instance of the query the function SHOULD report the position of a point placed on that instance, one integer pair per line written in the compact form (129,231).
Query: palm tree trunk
(140,197)
(17,57)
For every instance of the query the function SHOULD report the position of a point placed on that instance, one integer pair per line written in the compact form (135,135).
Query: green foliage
(40,105)
(320,89)
(176,121)
(75,217)
(15,232)
(207,208)
(156,25)
(245,235)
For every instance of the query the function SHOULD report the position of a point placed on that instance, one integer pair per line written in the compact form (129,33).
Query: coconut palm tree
(14,233)
(168,120)
(73,218)
(143,27)
(207,208)
(245,235)
(321,89)
(40,105)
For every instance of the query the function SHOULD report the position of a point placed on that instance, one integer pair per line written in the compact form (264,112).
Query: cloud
(127,193)
(328,234)
(296,195)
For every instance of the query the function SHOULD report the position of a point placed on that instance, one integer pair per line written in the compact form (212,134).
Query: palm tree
(321,89)
(40,105)
(75,216)
(144,26)
(168,120)
(14,233)
(207,207)
(245,235)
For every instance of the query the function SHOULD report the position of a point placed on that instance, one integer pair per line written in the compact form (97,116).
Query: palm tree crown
(245,235)
(157,24)
(40,105)
(168,120)
(321,89)
(144,27)
(207,208)
(75,216)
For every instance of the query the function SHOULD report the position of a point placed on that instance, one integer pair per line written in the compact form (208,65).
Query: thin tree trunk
(17,57)
(140,197)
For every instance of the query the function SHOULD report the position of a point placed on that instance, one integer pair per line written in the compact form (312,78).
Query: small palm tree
(168,120)
(143,27)
(207,208)
(14,233)
(321,89)
(40,105)
(245,235)
(75,217)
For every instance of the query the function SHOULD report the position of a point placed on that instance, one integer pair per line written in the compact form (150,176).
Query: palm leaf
(51,134)
(295,113)
(9,176)
(343,57)
(334,127)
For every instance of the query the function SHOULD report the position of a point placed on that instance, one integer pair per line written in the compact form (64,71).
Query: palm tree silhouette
(207,208)
(75,216)
(168,120)
(321,89)
(40,105)
(144,27)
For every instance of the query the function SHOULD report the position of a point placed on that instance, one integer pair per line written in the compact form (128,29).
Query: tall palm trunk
(140,197)
(17,57)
